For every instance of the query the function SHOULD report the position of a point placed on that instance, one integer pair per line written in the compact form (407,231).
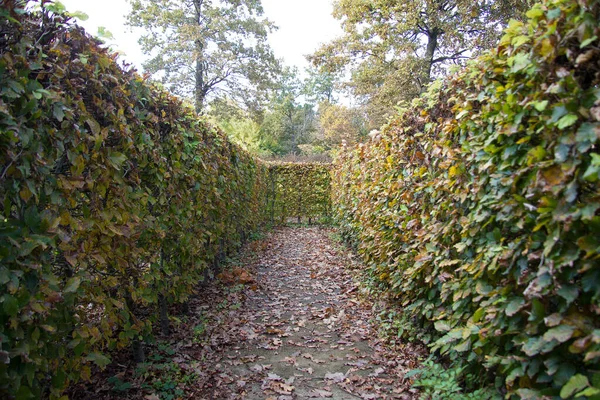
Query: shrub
(300,190)
(114,197)
(477,208)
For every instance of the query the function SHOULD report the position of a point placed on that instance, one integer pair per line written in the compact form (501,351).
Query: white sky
(303,26)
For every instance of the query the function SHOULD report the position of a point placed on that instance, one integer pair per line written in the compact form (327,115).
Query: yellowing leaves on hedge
(114,194)
(506,251)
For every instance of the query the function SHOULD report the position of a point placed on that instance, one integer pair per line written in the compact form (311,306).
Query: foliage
(113,194)
(392,48)
(299,190)
(341,124)
(289,122)
(477,208)
(438,383)
(203,48)
(244,132)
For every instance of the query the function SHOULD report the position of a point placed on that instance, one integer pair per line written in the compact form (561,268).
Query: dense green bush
(299,190)
(478,207)
(114,197)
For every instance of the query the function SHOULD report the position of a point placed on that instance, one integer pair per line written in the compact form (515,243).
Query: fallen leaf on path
(336,377)
(320,393)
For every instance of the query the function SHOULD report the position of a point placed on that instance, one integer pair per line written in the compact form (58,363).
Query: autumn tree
(206,49)
(393,48)
(339,124)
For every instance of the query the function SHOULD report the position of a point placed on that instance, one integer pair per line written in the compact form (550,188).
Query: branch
(455,56)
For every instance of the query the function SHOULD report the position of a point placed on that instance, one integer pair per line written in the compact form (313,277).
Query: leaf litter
(285,322)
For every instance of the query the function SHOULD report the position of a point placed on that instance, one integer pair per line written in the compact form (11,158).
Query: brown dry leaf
(275,331)
(290,360)
(283,388)
(336,377)
(320,393)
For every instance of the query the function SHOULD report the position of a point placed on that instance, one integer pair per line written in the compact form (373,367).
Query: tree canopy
(206,49)
(393,49)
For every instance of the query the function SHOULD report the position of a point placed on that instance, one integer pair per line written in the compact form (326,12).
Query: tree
(207,48)
(339,124)
(319,86)
(289,121)
(394,48)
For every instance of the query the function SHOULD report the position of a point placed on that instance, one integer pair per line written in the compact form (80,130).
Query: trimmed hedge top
(478,207)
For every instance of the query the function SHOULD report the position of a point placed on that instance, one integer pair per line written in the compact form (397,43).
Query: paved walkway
(302,332)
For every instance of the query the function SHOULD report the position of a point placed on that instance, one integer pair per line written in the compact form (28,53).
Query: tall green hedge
(477,209)
(113,196)
(299,190)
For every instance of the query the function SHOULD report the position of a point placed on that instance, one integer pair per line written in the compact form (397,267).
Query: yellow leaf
(25,194)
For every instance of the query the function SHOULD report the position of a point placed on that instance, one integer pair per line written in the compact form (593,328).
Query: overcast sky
(303,26)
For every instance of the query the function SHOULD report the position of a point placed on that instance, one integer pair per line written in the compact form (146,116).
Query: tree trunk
(163,314)
(199,89)
(137,348)
(432,44)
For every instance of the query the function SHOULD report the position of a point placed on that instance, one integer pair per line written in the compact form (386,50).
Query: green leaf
(588,41)
(57,112)
(561,333)
(514,307)
(24,393)
(80,15)
(569,293)
(540,105)
(441,326)
(589,392)
(72,285)
(99,359)
(48,328)
(575,384)
(567,121)
(588,132)
(519,62)
(478,315)
(529,394)
(10,305)
(94,125)
(117,159)
(535,12)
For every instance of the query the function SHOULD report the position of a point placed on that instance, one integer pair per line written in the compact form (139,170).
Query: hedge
(300,190)
(114,197)
(477,208)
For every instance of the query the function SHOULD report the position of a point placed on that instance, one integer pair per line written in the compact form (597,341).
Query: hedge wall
(478,207)
(299,190)
(114,197)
